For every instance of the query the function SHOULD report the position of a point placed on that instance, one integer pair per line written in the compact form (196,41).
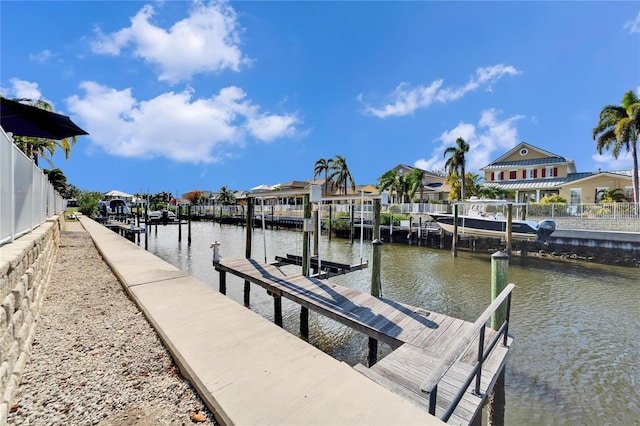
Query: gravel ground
(95,359)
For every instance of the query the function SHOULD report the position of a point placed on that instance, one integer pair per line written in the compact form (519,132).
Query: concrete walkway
(246,369)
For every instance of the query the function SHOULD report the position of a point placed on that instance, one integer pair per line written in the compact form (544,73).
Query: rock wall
(25,272)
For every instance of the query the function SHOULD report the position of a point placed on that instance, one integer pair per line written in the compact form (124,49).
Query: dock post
(247,251)
(304,312)
(499,279)
(277,309)
(189,225)
(330,219)
(376,285)
(216,259)
(509,229)
(146,227)
(179,223)
(454,240)
(352,219)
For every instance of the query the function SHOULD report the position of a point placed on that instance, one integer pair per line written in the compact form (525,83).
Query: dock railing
(430,385)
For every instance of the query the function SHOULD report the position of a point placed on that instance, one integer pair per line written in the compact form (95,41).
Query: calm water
(576,358)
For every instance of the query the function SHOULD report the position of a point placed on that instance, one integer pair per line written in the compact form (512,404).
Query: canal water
(576,355)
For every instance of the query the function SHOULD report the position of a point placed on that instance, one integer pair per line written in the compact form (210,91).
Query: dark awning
(27,120)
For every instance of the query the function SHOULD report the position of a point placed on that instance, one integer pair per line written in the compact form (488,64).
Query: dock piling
(454,238)
(376,285)
(247,254)
(499,279)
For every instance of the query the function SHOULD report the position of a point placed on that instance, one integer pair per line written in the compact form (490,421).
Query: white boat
(480,221)
(160,215)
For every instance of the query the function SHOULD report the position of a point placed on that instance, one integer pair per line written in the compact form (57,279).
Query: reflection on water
(576,358)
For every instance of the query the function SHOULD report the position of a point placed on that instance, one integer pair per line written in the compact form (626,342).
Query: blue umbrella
(27,120)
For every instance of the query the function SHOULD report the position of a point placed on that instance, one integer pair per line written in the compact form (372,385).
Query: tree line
(617,130)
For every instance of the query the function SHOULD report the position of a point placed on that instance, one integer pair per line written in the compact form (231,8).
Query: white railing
(27,198)
(593,211)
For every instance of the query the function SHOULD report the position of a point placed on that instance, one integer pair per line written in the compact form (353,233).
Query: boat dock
(435,358)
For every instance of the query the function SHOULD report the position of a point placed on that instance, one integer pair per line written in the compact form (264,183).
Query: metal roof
(522,163)
(529,184)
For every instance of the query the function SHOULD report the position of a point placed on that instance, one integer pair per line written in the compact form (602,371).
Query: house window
(535,173)
(530,173)
(628,193)
(576,195)
(524,151)
(550,172)
(493,176)
(513,174)
(501,176)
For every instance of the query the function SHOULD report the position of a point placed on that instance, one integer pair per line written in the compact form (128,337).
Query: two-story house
(533,173)
(529,171)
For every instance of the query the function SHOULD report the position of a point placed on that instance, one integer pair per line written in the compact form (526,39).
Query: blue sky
(181,95)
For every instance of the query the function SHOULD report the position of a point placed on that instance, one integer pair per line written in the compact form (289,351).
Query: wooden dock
(434,356)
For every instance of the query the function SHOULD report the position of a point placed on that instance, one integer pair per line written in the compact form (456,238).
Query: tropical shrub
(88,203)
(553,199)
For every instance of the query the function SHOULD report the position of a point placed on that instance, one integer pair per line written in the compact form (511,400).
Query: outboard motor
(545,229)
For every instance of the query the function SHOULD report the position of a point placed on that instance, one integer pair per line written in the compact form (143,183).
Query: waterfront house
(435,186)
(533,173)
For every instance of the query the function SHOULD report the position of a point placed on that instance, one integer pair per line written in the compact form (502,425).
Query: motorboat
(161,215)
(484,219)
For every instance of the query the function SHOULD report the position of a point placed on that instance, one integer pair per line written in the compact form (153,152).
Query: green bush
(88,203)
(553,199)
(385,218)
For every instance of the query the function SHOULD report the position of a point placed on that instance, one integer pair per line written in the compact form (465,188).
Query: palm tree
(57,179)
(415,179)
(618,127)
(611,196)
(341,175)
(225,196)
(323,165)
(456,162)
(35,147)
(395,182)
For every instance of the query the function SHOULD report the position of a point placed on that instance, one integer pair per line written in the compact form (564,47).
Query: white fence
(27,198)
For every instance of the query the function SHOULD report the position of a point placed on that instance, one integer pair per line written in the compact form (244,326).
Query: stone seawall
(25,272)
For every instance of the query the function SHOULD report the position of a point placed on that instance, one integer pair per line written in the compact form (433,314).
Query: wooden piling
(352,216)
(277,309)
(146,228)
(247,253)
(330,219)
(499,280)
(376,285)
(189,225)
(179,223)
(304,311)
(454,240)
(509,229)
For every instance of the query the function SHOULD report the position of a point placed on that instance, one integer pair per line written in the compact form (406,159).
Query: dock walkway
(247,370)
(422,340)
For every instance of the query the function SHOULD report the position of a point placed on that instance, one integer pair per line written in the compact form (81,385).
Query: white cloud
(22,89)
(606,161)
(206,41)
(634,25)
(488,136)
(43,56)
(405,100)
(174,125)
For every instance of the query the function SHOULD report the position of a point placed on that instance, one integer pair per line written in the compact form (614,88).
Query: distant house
(435,186)
(115,194)
(533,173)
